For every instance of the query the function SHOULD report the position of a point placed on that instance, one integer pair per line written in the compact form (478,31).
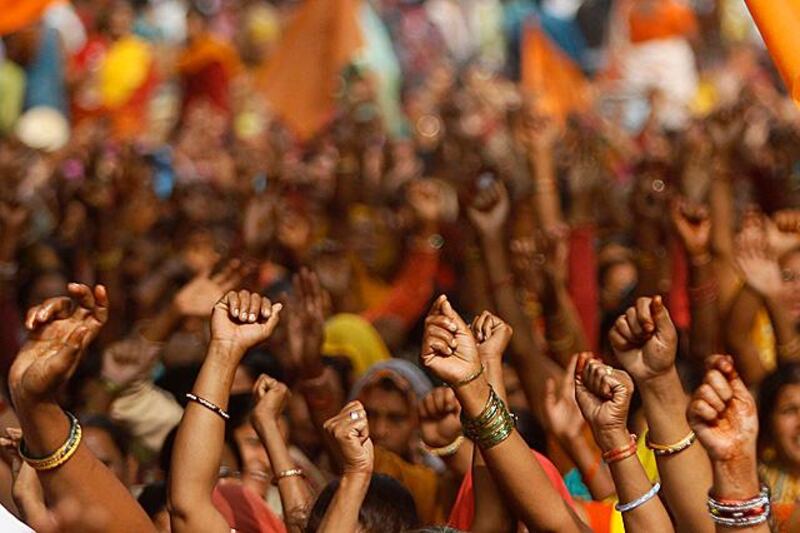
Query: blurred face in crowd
(790,268)
(618,280)
(392,418)
(102,446)
(786,425)
(255,463)
(120,19)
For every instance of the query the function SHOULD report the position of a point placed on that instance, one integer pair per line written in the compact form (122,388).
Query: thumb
(447,310)
(660,316)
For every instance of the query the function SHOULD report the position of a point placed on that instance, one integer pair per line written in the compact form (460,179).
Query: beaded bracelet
(61,455)
(638,502)
(671,449)
(208,405)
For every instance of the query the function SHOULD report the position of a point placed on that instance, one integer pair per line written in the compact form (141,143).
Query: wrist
(473,396)
(225,349)
(736,478)
(665,384)
(609,439)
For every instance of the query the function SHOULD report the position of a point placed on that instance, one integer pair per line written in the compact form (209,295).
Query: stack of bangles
(662,450)
(623,452)
(740,513)
(61,455)
(618,454)
(492,426)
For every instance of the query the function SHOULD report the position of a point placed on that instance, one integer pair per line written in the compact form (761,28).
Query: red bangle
(623,452)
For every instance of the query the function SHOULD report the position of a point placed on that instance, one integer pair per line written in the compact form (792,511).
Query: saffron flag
(303,73)
(16,15)
(779,24)
(557,84)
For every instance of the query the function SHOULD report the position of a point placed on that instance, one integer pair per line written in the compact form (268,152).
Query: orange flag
(302,75)
(556,82)
(779,24)
(16,15)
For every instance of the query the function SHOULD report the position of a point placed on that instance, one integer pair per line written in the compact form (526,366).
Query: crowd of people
(463,297)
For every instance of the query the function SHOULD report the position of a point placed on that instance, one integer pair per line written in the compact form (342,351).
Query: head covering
(408,376)
(244,510)
(353,337)
(43,128)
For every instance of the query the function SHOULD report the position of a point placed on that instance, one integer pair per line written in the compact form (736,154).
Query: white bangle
(638,502)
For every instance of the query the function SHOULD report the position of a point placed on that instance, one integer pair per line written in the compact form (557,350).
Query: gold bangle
(61,455)
(469,379)
(445,451)
(292,472)
(671,449)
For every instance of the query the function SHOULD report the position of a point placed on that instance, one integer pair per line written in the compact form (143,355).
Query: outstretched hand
(60,330)
(644,339)
(306,322)
(604,397)
(349,433)
(197,298)
(723,414)
(243,319)
(449,349)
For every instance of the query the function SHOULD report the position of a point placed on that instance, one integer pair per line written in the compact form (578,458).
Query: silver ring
(355,415)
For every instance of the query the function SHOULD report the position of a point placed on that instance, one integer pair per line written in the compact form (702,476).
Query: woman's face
(786,425)
(790,267)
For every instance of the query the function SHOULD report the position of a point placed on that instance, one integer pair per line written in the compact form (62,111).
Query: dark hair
(153,498)
(259,361)
(388,507)
(119,436)
(785,374)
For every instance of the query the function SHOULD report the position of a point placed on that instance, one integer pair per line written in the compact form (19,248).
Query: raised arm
(645,343)
(239,321)
(349,433)
(521,479)
(564,421)
(60,330)
(270,401)
(488,214)
(723,415)
(693,225)
(604,396)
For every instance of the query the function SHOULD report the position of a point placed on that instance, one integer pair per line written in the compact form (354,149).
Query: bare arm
(239,321)
(645,342)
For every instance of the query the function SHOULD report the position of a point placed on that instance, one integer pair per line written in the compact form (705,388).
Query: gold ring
(609,370)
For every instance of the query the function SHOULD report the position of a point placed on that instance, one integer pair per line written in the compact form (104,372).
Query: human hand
(449,349)
(307,328)
(561,415)
(439,423)
(129,360)
(197,298)
(243,320)
(493,336)
(692,222)
(425,198)
(489,210)
(270,397)
(723,414)
(26,489)
(759,264)
(644,340)
(783,232)
(787,220)
(349,433)
(60,330)
(604,397)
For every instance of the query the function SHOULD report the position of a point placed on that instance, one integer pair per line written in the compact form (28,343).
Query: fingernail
(452,327)
(252,317)
(235,312)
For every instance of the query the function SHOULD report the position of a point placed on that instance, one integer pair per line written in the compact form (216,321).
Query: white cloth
(62,17)
(11,524)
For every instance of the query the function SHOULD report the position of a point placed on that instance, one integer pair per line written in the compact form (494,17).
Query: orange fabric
(16,15)
(421,481)
(205,50)
(668,18)
(301,77)
(779,24)
(599,514)
(554,79)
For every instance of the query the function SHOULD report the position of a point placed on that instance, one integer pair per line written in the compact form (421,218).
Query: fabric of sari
(421,481)
(244,510)
(353,337)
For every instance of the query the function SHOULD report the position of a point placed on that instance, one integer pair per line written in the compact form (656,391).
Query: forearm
(594,471)
(546,200)
(518,475)
(739,325)
(632,483)
(162,325)
(787,338)
(685,476)
(195,469)
(295,494)
(564,331)
(83,478)
(651,257)
(342,513)
(720,201)
(704,307)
